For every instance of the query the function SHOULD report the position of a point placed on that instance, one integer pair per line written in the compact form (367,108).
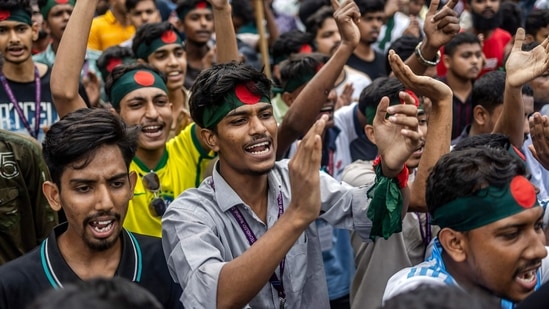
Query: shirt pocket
(10,215)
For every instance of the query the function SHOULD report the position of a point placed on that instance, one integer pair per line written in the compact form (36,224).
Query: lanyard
(18,108)
(250,236)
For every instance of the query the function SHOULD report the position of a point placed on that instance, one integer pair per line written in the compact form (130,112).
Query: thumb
(381,111)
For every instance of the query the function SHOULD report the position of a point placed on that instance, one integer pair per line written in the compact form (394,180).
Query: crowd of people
(274,154)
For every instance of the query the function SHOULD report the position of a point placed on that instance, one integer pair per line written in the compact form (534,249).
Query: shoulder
(24,272)
(411,277)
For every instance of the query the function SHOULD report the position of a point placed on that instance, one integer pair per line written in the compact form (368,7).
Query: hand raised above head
(398,136)
(524,66)
(420,85)
(539,131)
(219,4)
(347,17)
(440,27)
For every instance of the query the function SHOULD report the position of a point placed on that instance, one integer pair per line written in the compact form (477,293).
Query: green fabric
(133,80)
(19,15)
(385,210)
(144,50)
(388,30)
(45,10)
(486,205)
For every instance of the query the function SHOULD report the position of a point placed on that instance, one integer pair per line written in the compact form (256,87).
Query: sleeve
(400,283)
(193,251)
(37,173)
(93,39)
(344,206)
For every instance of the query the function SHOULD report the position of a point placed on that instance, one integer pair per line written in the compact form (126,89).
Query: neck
(120,16)
(55,45)
(252,189)
(85,262)
(195,52)
(19,72)
(150,158)
(461,87)
(176,95)
(364,52)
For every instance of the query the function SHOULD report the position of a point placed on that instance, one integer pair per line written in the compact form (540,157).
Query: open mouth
(259,148)
(152,130)
(527,279)
(102,228)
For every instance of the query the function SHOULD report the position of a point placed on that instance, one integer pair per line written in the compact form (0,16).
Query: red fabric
(402,177)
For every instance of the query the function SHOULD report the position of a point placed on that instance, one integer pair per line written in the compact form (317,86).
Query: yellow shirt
(106,31)
(181,167)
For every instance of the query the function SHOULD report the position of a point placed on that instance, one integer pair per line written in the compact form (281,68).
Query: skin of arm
(539,130)
(437,141)
(304,110)
(242,278)
(70,58)
(521,68)
(226,50)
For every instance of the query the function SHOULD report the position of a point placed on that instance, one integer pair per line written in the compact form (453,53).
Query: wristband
(402,177)
(422,59)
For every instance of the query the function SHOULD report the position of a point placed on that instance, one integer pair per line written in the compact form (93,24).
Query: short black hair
(458,40)
(370,6)
(372,94)
(212,86)
(112,293)
(289,43)
(120,70)
(463,172)
(149,32)
(488,90)
(79,135)
(113,52)
(404,47)
(131,4)
(536,20)
(299,65)
(8,5)
(186,5)
(315,21)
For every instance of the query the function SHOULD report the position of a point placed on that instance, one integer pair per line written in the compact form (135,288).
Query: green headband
(241,96)
(19,15)
(199,5)
(45,10)
(486,206)
(169,36)
(370,110)
(132,80)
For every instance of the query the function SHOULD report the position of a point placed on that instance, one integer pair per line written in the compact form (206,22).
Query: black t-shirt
(373,69)
(142,261)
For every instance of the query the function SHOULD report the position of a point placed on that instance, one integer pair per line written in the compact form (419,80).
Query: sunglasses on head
(158,205)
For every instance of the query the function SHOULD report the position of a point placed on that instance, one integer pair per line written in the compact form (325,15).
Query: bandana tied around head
(486,206)
(199,5)
(370,111)
(169,36)
(45,10)
(133,80)
(299,80)
(242,95)
(18,15)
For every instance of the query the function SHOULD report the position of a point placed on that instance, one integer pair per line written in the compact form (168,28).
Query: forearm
(511,120)
(226,47)
(306,107)
(241,279)
(70,59)
(437,143)
(271,25)
(428,52)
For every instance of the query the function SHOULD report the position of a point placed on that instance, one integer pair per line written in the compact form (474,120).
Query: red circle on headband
(523,192)
(244,95)
(61,1)
(201,5)
(144,78)
(113,63)
(4,14)
(168,37)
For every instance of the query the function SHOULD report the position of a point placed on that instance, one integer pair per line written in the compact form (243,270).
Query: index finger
(451,4)
(335,4)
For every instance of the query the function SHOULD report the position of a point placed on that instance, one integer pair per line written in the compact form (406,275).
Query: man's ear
(52,194)
(287,98)
(133,179)
(480,114)
(454,244)
(529,39)
(446,60)
(141,61)
(34,29)
(210,138)
(369,131)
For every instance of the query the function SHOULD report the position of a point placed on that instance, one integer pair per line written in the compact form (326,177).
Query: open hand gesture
(440,27)
(524,66)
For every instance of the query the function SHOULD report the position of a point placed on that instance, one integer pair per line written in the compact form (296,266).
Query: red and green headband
(486,206)
(133,80)
(169,36)
(18,15)
(240,97)
(199,5)
(45,10)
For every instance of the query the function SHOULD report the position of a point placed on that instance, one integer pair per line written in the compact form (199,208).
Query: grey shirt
(200,235)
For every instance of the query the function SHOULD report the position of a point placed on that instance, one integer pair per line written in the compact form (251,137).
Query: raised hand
(219,4)
(440,27)
(346,96)
(347,17)
(304,169)
(524,66)
(539,130)
(420,85)
(398,136)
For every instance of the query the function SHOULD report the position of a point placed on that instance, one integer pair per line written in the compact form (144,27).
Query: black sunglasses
(158,205)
